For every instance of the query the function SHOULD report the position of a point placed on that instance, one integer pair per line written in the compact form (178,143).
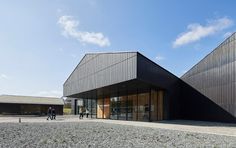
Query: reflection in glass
(122,108)
(94,111)
(114,107)
(143,107)
(132,107)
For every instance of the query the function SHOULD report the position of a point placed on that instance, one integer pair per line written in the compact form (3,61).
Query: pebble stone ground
(92,133)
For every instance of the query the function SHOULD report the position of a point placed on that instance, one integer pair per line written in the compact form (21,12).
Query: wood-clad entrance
(145,106)
(103,108)
(106,114)
(156,105)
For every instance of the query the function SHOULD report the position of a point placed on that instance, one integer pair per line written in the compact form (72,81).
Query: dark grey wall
(196,106)
(181,101)
(6,108)
(99,70)
(16,109)
(215,75)
(152,73)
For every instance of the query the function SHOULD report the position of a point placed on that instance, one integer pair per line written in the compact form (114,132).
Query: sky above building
(42,41)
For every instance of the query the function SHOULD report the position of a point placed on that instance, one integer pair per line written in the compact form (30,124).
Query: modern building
(129,86)
(28,105)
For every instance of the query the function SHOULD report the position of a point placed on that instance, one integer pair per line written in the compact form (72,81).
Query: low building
(29,105)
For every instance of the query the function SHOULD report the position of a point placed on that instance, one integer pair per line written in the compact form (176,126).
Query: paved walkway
(181,125)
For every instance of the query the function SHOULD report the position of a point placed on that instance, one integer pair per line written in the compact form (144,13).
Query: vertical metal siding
(99,70)
(215,75)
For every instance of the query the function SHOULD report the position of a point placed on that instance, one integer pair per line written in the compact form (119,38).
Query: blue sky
(41,42)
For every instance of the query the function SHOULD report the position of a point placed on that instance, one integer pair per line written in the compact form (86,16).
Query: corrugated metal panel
(215,75)
(101,69)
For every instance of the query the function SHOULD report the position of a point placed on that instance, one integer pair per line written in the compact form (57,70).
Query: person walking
(49,113)
(81,112)
(53,114)
(87,113)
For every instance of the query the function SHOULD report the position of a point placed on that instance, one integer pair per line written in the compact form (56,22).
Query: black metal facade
(151,73)
(116,74)
(215,75)
(100,70)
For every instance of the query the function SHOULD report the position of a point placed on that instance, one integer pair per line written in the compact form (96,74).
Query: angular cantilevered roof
(13,99)
(97,70)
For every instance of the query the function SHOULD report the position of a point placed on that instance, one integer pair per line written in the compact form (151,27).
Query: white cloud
(159,58)
(3,76)
(197,31)
(50,93)
(69,26)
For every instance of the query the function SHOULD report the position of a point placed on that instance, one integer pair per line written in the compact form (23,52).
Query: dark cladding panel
(101,69)
(157,76)
(215,75)
(196,106)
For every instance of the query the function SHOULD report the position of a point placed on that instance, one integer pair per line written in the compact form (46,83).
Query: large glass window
(143,107)
(114,107)
(122,107)
(132,107)
(85,101)
(138,107)
(90,107)
(94,110)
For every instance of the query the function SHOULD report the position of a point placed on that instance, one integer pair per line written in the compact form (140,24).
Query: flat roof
(13,99)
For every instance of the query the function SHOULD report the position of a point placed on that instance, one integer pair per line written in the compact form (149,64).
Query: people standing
(49,113)
(87,113)
(81,114)
(53,113)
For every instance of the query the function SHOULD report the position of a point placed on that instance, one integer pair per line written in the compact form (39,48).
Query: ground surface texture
(102,135)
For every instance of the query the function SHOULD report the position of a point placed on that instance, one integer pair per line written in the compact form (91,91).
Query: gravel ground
(95,134)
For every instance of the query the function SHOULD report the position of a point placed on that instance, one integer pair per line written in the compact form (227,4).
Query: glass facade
(114,107)
(90,105)
(93,108)
(145,106)
(132,109)
(122,107)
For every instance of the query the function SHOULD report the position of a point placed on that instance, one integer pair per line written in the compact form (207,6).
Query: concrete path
(181,125)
